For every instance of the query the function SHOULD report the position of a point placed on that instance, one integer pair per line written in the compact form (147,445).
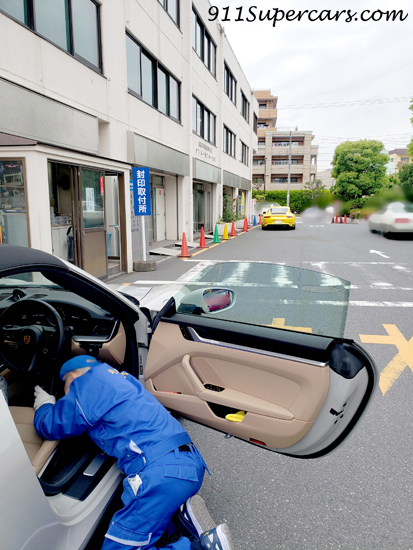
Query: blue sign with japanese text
(141,191)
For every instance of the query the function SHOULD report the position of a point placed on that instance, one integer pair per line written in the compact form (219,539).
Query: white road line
(237,275)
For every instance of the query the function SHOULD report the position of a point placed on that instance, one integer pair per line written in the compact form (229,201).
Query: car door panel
(286,381)
(282,397)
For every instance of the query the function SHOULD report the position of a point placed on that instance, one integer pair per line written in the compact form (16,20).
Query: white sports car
(395,217)
(274,350)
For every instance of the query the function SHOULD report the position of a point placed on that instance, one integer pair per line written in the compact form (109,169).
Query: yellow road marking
(403,359)
(126,284)
(202,250)
(279,322)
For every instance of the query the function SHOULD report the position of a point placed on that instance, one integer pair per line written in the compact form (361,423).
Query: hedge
(299,198)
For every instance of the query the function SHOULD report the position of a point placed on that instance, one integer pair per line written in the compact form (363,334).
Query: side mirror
(209,300)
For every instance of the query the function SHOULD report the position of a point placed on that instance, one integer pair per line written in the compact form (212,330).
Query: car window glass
(397,207)
(30,278)
(277,296)
(279,210)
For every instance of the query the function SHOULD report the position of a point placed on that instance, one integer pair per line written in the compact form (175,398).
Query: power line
(378,101)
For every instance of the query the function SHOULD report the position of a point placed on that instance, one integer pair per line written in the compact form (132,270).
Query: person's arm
(64,419)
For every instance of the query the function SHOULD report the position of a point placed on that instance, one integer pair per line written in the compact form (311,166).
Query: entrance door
(160,214)
(91,233)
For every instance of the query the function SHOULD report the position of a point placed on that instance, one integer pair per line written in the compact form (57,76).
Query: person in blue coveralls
(164,470)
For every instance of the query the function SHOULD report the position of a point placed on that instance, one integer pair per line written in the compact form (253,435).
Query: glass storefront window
(52,21)
(13,219)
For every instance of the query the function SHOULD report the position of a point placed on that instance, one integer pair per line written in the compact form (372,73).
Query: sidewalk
(160,252)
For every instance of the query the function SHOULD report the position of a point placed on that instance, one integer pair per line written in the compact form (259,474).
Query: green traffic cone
(216,236)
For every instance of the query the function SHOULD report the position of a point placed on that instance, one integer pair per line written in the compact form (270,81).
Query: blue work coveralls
(128,423)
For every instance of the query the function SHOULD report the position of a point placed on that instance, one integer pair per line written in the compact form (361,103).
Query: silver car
(272,348)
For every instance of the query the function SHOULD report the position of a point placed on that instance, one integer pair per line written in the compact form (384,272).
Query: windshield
(277,296)
(27,279)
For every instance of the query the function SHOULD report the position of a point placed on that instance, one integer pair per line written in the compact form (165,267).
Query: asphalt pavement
(359,496)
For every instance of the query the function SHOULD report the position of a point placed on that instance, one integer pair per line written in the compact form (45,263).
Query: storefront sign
(90,199)
(102,186)
(141,191)
(206,152)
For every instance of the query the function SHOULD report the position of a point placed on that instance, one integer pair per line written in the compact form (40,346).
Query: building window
(150,81)
(284,180)
(255,123)
(261,143)
(262,105)
(203,121)
(73,26)
(245,107)
(202,43)
(229,142)
(258,162)
(172,8)
(230,85)
(243,153)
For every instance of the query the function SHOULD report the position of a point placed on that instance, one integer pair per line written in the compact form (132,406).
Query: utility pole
(289,171)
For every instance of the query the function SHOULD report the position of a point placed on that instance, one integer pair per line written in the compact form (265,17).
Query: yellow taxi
(278,216)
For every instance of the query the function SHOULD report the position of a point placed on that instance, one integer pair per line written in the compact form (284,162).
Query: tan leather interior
(112,352)
(282,397)
(37,449)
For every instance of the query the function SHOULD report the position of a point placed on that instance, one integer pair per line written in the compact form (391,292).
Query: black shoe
(217,539)
(193,518)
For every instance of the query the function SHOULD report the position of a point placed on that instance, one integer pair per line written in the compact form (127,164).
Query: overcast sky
(330,62)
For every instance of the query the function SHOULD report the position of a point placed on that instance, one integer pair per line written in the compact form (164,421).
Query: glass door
(91,234)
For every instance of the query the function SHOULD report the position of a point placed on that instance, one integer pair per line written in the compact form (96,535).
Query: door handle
(193,377)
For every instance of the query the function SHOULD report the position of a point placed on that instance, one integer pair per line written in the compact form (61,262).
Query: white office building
(90,89)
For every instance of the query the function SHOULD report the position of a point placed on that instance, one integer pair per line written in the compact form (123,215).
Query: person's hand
(41,397)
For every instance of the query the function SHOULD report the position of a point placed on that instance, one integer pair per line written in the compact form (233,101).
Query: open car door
(268,341)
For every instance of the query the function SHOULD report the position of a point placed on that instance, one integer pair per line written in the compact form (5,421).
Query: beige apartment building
(397,159)
(272,163)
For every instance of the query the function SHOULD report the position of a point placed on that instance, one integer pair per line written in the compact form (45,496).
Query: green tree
(406,174)
(410,146)
(315,187)
(359,169)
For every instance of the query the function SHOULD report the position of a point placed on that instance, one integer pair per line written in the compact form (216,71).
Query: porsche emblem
(26,339)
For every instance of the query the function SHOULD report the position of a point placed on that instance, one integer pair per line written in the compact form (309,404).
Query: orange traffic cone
(184,250)
(336,219)
(245,228)
(233,232)
(345,218)
(332,220)
(341,219)
(202,243)
(260,220)
(225,235)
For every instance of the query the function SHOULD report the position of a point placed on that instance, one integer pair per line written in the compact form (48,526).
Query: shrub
(299,198)
(229,210)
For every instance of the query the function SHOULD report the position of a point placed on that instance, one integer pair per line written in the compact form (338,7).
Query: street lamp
(289,171)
